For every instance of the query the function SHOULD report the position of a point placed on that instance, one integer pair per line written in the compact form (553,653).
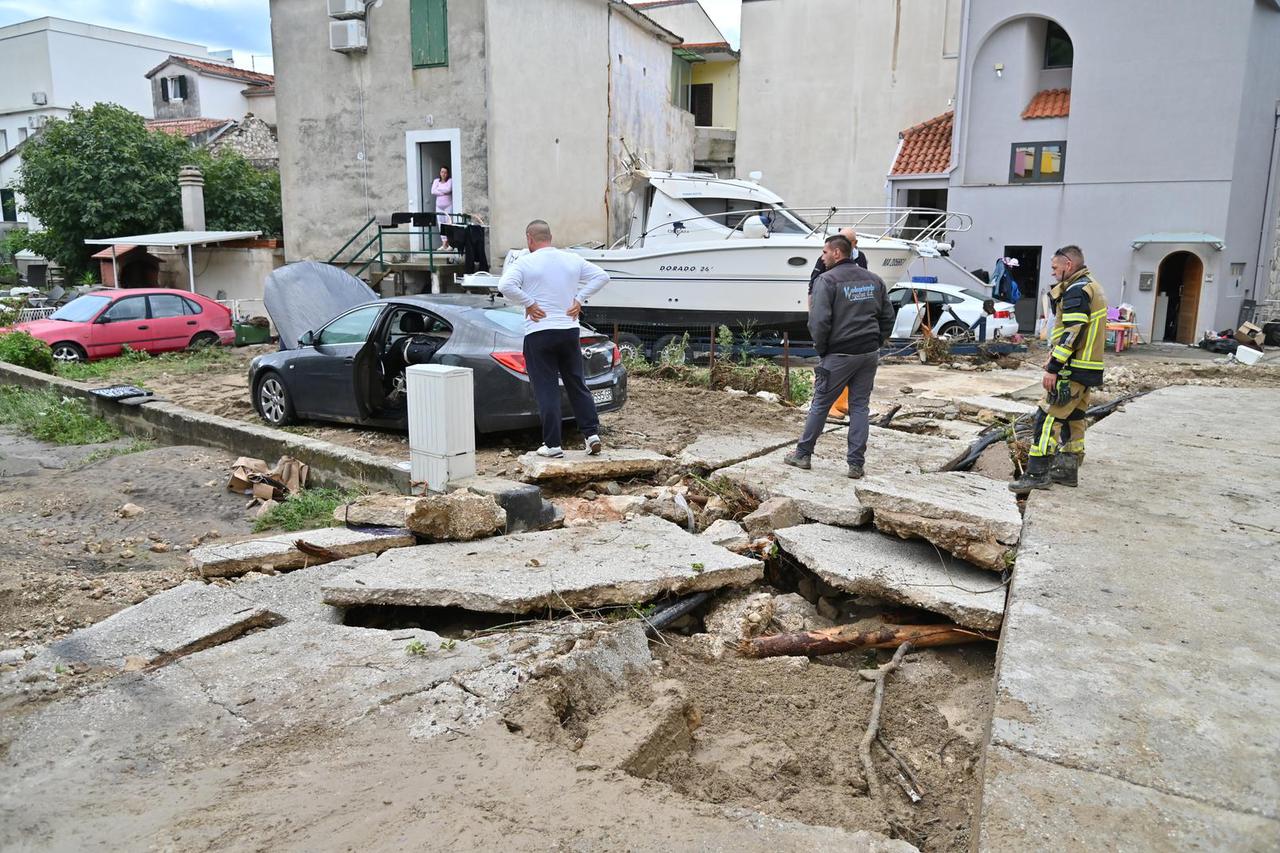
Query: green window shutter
(429,32)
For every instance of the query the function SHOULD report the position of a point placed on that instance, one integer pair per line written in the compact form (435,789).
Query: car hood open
(302,297)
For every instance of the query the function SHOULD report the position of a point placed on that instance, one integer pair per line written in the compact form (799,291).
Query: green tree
(100,173)
(238,196)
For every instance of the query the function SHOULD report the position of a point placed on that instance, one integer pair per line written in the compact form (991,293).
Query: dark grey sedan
(351,369)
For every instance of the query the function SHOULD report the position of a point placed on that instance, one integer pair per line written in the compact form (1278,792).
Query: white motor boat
(702,251)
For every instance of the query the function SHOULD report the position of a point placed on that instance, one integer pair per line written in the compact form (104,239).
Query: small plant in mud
(417,648)
(49,416)
(308,509)
(697,568)
(448,645)
(724,342)
(676,351)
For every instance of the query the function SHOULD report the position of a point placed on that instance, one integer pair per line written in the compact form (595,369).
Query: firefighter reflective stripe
(1062,353)
(1044,441)
(1075,318)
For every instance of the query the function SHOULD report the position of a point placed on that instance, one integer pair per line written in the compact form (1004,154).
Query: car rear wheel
(67,352)
(274,403)
(202,340)
(953,330)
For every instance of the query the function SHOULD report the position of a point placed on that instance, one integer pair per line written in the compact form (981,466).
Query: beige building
(528,102)
(826,86)
(711,91)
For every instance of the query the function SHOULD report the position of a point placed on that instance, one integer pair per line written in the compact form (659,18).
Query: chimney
(191,183)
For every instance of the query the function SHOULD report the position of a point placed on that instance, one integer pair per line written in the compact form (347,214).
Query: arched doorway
(1177,298)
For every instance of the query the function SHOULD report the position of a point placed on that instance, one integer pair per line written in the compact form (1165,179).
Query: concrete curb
(331,464)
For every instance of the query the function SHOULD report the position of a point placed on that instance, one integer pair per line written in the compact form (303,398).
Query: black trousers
(553,356)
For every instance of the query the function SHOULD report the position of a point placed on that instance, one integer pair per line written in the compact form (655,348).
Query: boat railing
(910,224)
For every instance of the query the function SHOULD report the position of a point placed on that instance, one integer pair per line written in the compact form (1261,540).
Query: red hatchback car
(98,324)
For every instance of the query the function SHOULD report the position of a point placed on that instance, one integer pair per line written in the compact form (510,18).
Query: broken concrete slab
(709,452)
(375,511)
(825,493)
(622,563)
(773,514)
(955,430)
(279,551)
(577,466)
(579,512)
(1000,407)
(727,534)
(458,516)
(524,504)
(177,622)
(296,595)
(971,516)
(865,562)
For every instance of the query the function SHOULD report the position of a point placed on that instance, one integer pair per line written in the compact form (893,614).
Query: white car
(950,310)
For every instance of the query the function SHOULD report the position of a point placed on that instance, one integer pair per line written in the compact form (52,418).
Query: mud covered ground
(69,558)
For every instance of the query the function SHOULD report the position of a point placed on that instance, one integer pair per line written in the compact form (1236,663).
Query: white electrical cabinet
(442,434)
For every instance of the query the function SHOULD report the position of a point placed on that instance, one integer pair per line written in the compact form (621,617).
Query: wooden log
(842,638)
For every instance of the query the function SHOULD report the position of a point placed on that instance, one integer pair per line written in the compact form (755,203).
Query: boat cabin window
(730,212)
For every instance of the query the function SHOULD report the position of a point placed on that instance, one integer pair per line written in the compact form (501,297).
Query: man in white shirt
(551,284)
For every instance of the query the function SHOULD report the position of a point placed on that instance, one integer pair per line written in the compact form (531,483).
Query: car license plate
(604,395)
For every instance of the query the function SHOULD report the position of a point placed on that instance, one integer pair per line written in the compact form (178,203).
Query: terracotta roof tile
(926,147)
(221,69)
(1049,103)
(186,127)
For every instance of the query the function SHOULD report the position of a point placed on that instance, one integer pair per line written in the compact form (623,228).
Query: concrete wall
(548,107)
(826,86)
(24,68)
(641,112)
(1159,139)
(723,77)
(343,118)
(264,107)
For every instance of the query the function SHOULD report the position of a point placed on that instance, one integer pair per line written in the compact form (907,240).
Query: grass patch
(49,416)
(102,454)
(308,509)
(136,366)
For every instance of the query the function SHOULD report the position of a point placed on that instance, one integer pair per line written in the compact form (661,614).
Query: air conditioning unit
(346,8)
(348,36)
(39,98)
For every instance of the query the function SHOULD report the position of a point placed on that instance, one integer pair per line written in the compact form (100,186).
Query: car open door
(319,377)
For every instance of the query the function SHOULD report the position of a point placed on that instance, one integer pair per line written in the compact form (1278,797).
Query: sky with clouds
(243,25)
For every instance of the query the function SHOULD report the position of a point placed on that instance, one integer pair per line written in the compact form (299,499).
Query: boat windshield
(730,212)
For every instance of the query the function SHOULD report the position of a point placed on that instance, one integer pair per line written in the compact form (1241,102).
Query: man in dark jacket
(850,317)
(856,256)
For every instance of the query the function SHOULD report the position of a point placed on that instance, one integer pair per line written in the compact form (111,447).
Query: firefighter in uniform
(1074,370)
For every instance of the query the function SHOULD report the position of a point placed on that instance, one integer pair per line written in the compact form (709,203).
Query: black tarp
(304,296)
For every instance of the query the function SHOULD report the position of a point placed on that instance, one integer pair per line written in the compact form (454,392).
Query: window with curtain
(1037,162)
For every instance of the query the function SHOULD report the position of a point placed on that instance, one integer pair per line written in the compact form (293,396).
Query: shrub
(23,350)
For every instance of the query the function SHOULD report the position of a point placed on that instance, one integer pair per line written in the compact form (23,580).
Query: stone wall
(254,139)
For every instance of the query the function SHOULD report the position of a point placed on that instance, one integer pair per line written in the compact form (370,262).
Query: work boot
(1035,477)
(1066,469)
(855,472)
(796,459)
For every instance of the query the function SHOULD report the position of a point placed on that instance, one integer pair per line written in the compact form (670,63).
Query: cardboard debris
(1250,335)
(251,477)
